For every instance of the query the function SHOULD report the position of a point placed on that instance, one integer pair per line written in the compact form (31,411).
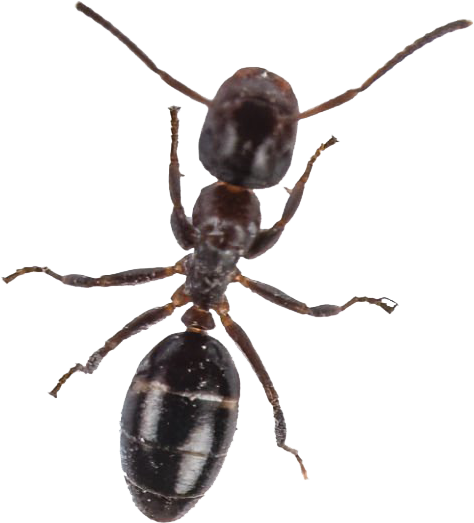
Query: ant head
(250,129)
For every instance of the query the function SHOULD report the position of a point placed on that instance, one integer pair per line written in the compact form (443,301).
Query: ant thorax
(227,220)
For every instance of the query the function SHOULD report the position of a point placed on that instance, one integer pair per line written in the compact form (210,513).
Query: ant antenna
(143,57)
(334,102)
(417,44)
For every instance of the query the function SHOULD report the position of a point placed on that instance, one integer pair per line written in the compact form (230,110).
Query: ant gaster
(180,412)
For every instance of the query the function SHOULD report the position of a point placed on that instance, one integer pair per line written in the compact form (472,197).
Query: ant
(180,412)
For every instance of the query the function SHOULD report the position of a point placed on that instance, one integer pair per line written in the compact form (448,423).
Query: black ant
(180,412)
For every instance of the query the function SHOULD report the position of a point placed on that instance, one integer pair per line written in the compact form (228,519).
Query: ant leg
(245,345)
(131,277)
(140,323)
(283,300)
(181,225)
(267,238)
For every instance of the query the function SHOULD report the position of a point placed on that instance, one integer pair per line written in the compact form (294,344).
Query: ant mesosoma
(180,412)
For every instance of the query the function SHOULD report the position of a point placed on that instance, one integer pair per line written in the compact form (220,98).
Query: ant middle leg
(140,323)
(131,277)
(245,345)
(283,300)
(267,238)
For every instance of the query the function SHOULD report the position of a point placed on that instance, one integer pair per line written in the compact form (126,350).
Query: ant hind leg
(245,345)
(142,322)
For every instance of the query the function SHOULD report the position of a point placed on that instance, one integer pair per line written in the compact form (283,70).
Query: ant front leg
(267,238)
(131,277)
(140,323)
(181,225)
(245,345)
(283,300)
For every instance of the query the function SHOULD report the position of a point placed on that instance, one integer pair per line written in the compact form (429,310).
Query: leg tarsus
(387,307)
(332,310)
(298,458)
(62,380)
(26,270)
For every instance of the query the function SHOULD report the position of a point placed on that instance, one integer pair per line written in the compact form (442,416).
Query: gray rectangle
(455,436)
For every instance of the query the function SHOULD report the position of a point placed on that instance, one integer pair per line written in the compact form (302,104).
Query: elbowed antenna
(417,44)
(143,57)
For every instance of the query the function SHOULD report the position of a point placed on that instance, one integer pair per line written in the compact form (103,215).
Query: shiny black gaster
(178,421)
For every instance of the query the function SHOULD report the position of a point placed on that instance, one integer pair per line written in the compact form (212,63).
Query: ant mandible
(180,412)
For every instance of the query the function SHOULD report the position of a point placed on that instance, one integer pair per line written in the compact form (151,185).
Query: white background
(380,407)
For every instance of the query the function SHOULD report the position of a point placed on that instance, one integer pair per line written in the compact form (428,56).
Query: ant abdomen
(178,421)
